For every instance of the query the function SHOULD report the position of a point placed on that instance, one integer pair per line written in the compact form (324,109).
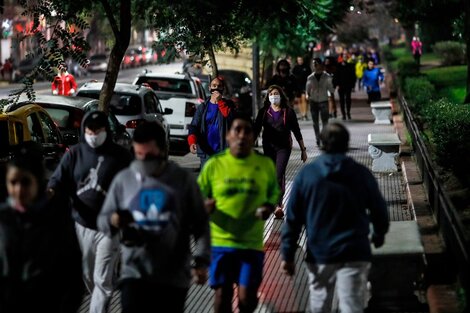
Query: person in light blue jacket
(336,199)
(371,81)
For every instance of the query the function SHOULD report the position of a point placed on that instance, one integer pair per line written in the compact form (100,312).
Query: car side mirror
(167,111)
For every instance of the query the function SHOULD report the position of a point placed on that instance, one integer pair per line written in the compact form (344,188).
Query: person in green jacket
(241,190)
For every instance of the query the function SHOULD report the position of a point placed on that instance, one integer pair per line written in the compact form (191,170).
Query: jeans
(319,109)
(350,280)
(99,259)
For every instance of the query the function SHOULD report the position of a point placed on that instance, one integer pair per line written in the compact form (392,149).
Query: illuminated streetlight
(351,8)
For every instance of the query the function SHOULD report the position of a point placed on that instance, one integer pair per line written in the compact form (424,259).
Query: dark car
(240,89)
(67,113)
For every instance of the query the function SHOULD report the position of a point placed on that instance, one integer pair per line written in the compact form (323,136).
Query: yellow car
(20,123)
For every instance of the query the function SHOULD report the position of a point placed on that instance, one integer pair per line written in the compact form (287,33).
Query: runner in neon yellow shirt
(241,189)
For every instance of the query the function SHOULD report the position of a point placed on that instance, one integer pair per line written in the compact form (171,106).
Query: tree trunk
(215,69)
(467,41)
(122,36)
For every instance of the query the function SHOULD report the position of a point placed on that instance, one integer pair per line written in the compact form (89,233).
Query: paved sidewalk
(278,292)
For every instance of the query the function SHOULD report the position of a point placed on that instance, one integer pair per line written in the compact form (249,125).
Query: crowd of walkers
(107,219)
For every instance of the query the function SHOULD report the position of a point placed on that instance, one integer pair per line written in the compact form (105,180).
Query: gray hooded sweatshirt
(167,211)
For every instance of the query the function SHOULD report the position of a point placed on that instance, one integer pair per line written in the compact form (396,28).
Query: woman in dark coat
(278,120)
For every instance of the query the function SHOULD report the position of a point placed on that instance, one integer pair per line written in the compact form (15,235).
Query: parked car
(241,89)
(179,92)
(25,67)
(23,123)
(98,63)
(131,104)
(67,113)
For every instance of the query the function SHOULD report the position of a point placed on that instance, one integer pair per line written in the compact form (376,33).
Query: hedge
(451,52)
(419,92)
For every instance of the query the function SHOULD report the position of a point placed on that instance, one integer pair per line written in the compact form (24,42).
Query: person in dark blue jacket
(211,123)
(336,199)
(83,177)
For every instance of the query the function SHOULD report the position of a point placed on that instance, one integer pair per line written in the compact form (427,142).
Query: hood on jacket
(331,163)
(99,118)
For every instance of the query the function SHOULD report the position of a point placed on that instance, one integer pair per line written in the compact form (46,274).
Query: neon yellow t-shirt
(239,187)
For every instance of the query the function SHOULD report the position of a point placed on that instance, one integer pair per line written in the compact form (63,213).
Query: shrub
(450,127)
(451,52)
(407,67)
(419,91)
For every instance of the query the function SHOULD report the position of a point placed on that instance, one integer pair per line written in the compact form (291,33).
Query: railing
(443,210)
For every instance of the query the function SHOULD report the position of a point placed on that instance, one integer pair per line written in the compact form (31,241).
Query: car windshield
(172,85)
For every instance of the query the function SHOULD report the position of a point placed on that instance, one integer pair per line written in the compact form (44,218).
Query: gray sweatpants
(350,280)
(99,259)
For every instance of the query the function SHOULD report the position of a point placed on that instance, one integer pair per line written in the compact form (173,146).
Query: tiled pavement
(278,292)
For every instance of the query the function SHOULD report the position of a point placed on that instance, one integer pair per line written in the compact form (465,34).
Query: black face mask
(212,90)
(152,165)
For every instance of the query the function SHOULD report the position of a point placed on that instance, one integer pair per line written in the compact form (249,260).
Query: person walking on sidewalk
(286,80)
(84,175)
(336,199)
(417,49)
(371,80)
(345,80)
(157,207)
(278,120)
(319,84)
(241,191)
(210,124)
(39,252)
(301,71)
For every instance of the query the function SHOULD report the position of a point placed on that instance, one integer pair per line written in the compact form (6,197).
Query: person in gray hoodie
(336,199)
(82,178)
(156,207)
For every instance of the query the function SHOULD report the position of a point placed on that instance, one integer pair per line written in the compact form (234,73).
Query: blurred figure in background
(371,80)
(417,49)
(39,252)
(345,80)
(301,71)
(286,80)
(64,83)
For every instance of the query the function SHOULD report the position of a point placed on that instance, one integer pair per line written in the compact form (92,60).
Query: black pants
(139,296)
(280,157)
(345,100)
(319,110)
(373,96)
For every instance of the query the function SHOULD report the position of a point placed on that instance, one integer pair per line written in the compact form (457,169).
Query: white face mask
(275,99)
(95,141)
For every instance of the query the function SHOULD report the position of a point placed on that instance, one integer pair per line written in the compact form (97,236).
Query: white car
(179,92)
(131,104)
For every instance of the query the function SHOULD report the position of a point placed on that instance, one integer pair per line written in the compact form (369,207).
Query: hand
(378,240)
(215,96)
(199,275)
(72,91)
(303,155)
(209,205)
(121,218)
(55,92)
(288,267)
(193,148)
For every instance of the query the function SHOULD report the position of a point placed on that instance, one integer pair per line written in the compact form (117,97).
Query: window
(126,104)
(59,116)
(35,128)
(48,126)
(4,139)
(150,103)
(167,84)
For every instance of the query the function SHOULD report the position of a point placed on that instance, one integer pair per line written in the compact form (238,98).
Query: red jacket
(64,84)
